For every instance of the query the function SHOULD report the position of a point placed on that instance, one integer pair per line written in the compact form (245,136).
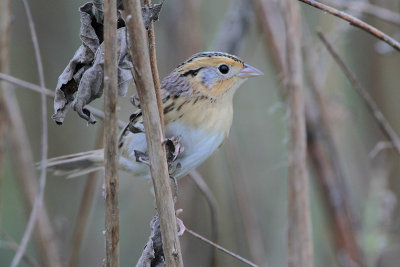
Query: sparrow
(197,101)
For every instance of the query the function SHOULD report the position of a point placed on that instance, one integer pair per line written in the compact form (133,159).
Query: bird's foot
(179,222)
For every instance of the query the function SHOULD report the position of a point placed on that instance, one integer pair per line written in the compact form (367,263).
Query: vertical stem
(154,69)
(110,134)
(300,250)
(321,142)
(151,119)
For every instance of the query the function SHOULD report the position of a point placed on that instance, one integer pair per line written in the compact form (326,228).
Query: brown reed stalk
(153,63)
(110,134)
(151,118)
(327,163)
(300,246)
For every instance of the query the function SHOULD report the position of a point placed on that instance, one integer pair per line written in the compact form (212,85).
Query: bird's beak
(249,71)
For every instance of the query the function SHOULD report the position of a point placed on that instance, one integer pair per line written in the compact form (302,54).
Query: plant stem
(300,247)
(110,134)
(151,118)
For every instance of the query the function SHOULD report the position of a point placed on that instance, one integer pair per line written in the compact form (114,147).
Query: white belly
(197,144)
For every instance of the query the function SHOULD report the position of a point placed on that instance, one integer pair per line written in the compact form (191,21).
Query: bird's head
(212,74)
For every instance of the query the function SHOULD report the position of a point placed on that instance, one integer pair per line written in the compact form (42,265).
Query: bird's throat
(201,112)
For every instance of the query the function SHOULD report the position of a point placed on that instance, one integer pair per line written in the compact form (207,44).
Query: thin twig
(371,104)
(14,247)
(44,146)
(26,175)
(381,145)
(110,134)
(25,84)
(236,256)
(356,22)
(13,80)
(154,69)
(151,118)
(23,163)
(300,247)
(367,8)
(212,202)
(85,207)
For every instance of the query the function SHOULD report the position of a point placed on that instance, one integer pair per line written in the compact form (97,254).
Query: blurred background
(248,175)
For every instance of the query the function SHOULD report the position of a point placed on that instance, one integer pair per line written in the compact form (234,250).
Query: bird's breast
(200,124)
(198,145)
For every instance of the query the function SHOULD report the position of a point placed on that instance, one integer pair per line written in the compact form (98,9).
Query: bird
(197,101)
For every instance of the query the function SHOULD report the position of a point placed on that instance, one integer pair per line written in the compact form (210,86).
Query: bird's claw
(142,157)
(173,148)
(179,222)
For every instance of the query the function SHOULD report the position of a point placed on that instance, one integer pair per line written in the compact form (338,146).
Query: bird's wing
(174,88)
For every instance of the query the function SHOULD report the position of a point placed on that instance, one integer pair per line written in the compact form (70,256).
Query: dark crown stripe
(210,54)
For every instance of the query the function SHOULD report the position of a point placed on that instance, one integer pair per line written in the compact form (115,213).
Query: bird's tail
(74,165)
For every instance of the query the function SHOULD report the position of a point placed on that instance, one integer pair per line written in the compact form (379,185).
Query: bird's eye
(224,69)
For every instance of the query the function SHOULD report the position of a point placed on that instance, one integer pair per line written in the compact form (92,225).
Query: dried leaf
(82,80)
(151,14)
(153,254)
